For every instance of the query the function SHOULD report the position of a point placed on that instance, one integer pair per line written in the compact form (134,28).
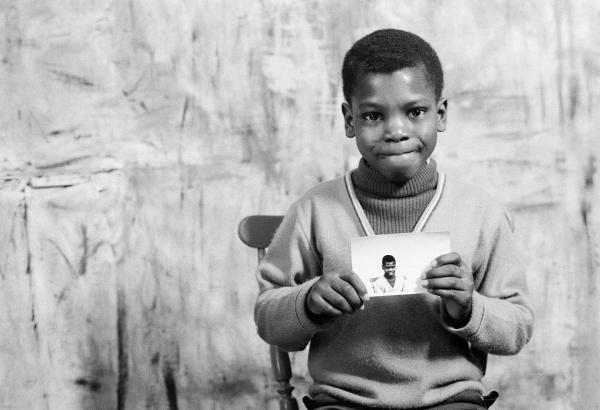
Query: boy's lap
(449,406)
(467,400)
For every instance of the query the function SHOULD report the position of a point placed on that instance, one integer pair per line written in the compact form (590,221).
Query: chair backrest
(257,231)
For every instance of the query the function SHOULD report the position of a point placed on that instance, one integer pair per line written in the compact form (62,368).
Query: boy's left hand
(448,277)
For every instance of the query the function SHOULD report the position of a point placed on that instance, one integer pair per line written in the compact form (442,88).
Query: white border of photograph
(413,252)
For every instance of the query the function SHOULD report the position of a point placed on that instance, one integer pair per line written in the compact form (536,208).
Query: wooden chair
(257,232)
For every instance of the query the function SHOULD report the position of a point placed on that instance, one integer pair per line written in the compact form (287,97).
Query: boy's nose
(395,131)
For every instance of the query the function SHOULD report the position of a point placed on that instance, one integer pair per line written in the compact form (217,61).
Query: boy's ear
(442,114)
(348,120)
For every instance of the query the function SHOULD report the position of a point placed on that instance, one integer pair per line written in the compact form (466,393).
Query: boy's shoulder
(474,197)
(325,198)
(467,190)
(333,188)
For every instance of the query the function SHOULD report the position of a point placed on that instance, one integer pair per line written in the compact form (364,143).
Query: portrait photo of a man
(392,264)
(389,281)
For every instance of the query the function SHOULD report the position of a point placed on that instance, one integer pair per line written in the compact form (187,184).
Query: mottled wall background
(135,134)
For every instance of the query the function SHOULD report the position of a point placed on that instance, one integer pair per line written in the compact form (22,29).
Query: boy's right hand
(335,294)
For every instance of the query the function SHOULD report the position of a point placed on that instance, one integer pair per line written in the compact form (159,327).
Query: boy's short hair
(389,50)
(388,258)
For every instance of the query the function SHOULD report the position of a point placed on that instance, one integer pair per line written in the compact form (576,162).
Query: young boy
(400,352)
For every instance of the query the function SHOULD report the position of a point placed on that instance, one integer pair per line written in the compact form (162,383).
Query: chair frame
(257,231)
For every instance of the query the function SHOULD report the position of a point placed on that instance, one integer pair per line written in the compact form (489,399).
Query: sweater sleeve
(285,275)
(501,319)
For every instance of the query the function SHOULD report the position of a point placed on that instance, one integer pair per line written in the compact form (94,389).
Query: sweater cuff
(474,324)
(301,312)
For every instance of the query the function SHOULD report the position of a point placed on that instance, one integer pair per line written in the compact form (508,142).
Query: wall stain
(64,163)
(73,79)
(90,384)
(64,257)
(84,257)
(28,270)
(232,387)
(122,353)
(170,386)
(13,40)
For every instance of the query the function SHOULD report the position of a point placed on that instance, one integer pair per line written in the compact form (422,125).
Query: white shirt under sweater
(399,352)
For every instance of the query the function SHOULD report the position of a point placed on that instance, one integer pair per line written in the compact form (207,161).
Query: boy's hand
(335,294)
(449,278)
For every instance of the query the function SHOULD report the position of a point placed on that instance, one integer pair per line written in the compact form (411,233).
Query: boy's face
(395,118)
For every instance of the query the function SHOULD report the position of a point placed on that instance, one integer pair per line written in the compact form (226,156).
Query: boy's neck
(371,181)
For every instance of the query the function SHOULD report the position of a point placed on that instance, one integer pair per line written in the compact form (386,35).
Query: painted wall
(134,135)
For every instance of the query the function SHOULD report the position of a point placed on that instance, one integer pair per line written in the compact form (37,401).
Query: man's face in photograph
(389,269)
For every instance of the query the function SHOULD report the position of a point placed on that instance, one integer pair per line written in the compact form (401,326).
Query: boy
(400,352)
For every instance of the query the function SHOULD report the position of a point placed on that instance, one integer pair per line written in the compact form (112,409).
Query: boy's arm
(501,320)
(285,276)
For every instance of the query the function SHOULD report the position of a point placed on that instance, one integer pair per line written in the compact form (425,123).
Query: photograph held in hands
(393,264)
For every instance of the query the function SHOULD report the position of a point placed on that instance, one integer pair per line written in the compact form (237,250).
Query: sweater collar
(372,182)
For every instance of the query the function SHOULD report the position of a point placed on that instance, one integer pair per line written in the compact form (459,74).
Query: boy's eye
(372,116)
(417,112)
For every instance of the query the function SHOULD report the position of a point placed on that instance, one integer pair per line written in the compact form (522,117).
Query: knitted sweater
(400,351)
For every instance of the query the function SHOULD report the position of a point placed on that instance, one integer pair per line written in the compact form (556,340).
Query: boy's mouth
(394,150)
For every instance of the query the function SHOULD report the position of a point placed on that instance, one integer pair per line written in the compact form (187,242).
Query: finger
(445,283)
(357,283)
(322,307)
(448,258)
(337,301)
(347,291)
(443,271)
(446,293)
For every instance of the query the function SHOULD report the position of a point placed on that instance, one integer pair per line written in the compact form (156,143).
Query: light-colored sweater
(400,351)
